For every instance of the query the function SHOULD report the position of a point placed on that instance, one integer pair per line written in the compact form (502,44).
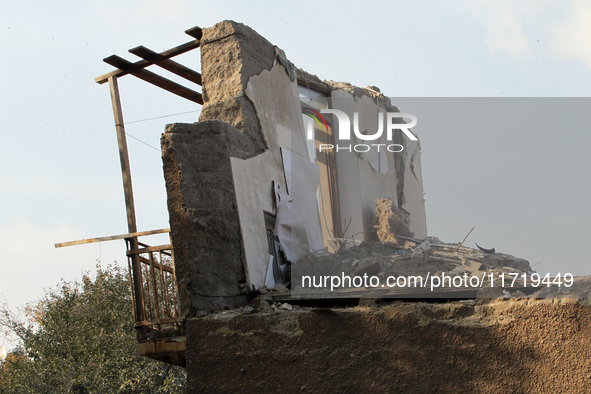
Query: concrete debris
(289,66)
(247,309)
(487,297)
(264,306)
(421,248)
(471,266)
(579,291)
(280,288)
(355,91)
(518,294)
(384,259)
(277,289)
(453,309)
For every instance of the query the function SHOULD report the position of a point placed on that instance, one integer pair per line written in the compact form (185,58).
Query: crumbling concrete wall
(365,177)
(276,101)
(413,195)
(522,346)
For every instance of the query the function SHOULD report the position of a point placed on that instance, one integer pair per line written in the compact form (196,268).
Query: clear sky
(60,178)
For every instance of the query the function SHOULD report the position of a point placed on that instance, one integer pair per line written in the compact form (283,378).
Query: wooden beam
(132,252)
(156,322)
(112,238)
(195,32)
(313,86)
(155,79)
(163,251)
(140,310)
(123,155)
(154,287)
(170,350)
(186,47)
(157,265)
(167,64)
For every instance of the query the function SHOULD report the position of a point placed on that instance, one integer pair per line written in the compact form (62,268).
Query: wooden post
(140,311)
(124,158)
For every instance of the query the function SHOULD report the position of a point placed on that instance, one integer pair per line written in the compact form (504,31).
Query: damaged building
(247,170)
(286,172)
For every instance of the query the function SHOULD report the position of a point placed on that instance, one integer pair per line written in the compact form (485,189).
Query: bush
(80,339)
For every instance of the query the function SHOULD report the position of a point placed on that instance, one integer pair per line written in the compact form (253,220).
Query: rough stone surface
(203,214)
(240,113)
(230,54)
(522,346)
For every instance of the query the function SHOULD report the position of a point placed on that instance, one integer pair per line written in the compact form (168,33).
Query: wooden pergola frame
(138,69)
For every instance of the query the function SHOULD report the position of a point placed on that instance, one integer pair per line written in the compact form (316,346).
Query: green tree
(80,339)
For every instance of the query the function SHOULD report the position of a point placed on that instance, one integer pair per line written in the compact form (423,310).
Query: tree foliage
(79,338)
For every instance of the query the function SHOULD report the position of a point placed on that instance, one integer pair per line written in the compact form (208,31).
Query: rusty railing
(154,290)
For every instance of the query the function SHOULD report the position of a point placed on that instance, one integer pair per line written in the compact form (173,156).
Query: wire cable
(145,143)
(163,116)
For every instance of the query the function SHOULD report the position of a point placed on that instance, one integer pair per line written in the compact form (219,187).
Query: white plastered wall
(277,104)
(360,184)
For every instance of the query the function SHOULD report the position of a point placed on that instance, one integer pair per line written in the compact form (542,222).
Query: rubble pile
(579,291)
(399,254)
(415,257)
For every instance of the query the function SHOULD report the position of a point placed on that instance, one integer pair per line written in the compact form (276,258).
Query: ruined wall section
(203,213)
(361,184)
(231,53)
(384,102)
(203,210)
(216,197)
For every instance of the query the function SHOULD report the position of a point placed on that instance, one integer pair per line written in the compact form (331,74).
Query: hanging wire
(154,118)
(163,116)
(145,143)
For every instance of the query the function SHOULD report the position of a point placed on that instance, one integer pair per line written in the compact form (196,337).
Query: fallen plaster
(297,224)
(254,194)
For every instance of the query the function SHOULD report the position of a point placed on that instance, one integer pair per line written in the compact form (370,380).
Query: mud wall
(203,213)
(523,346)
